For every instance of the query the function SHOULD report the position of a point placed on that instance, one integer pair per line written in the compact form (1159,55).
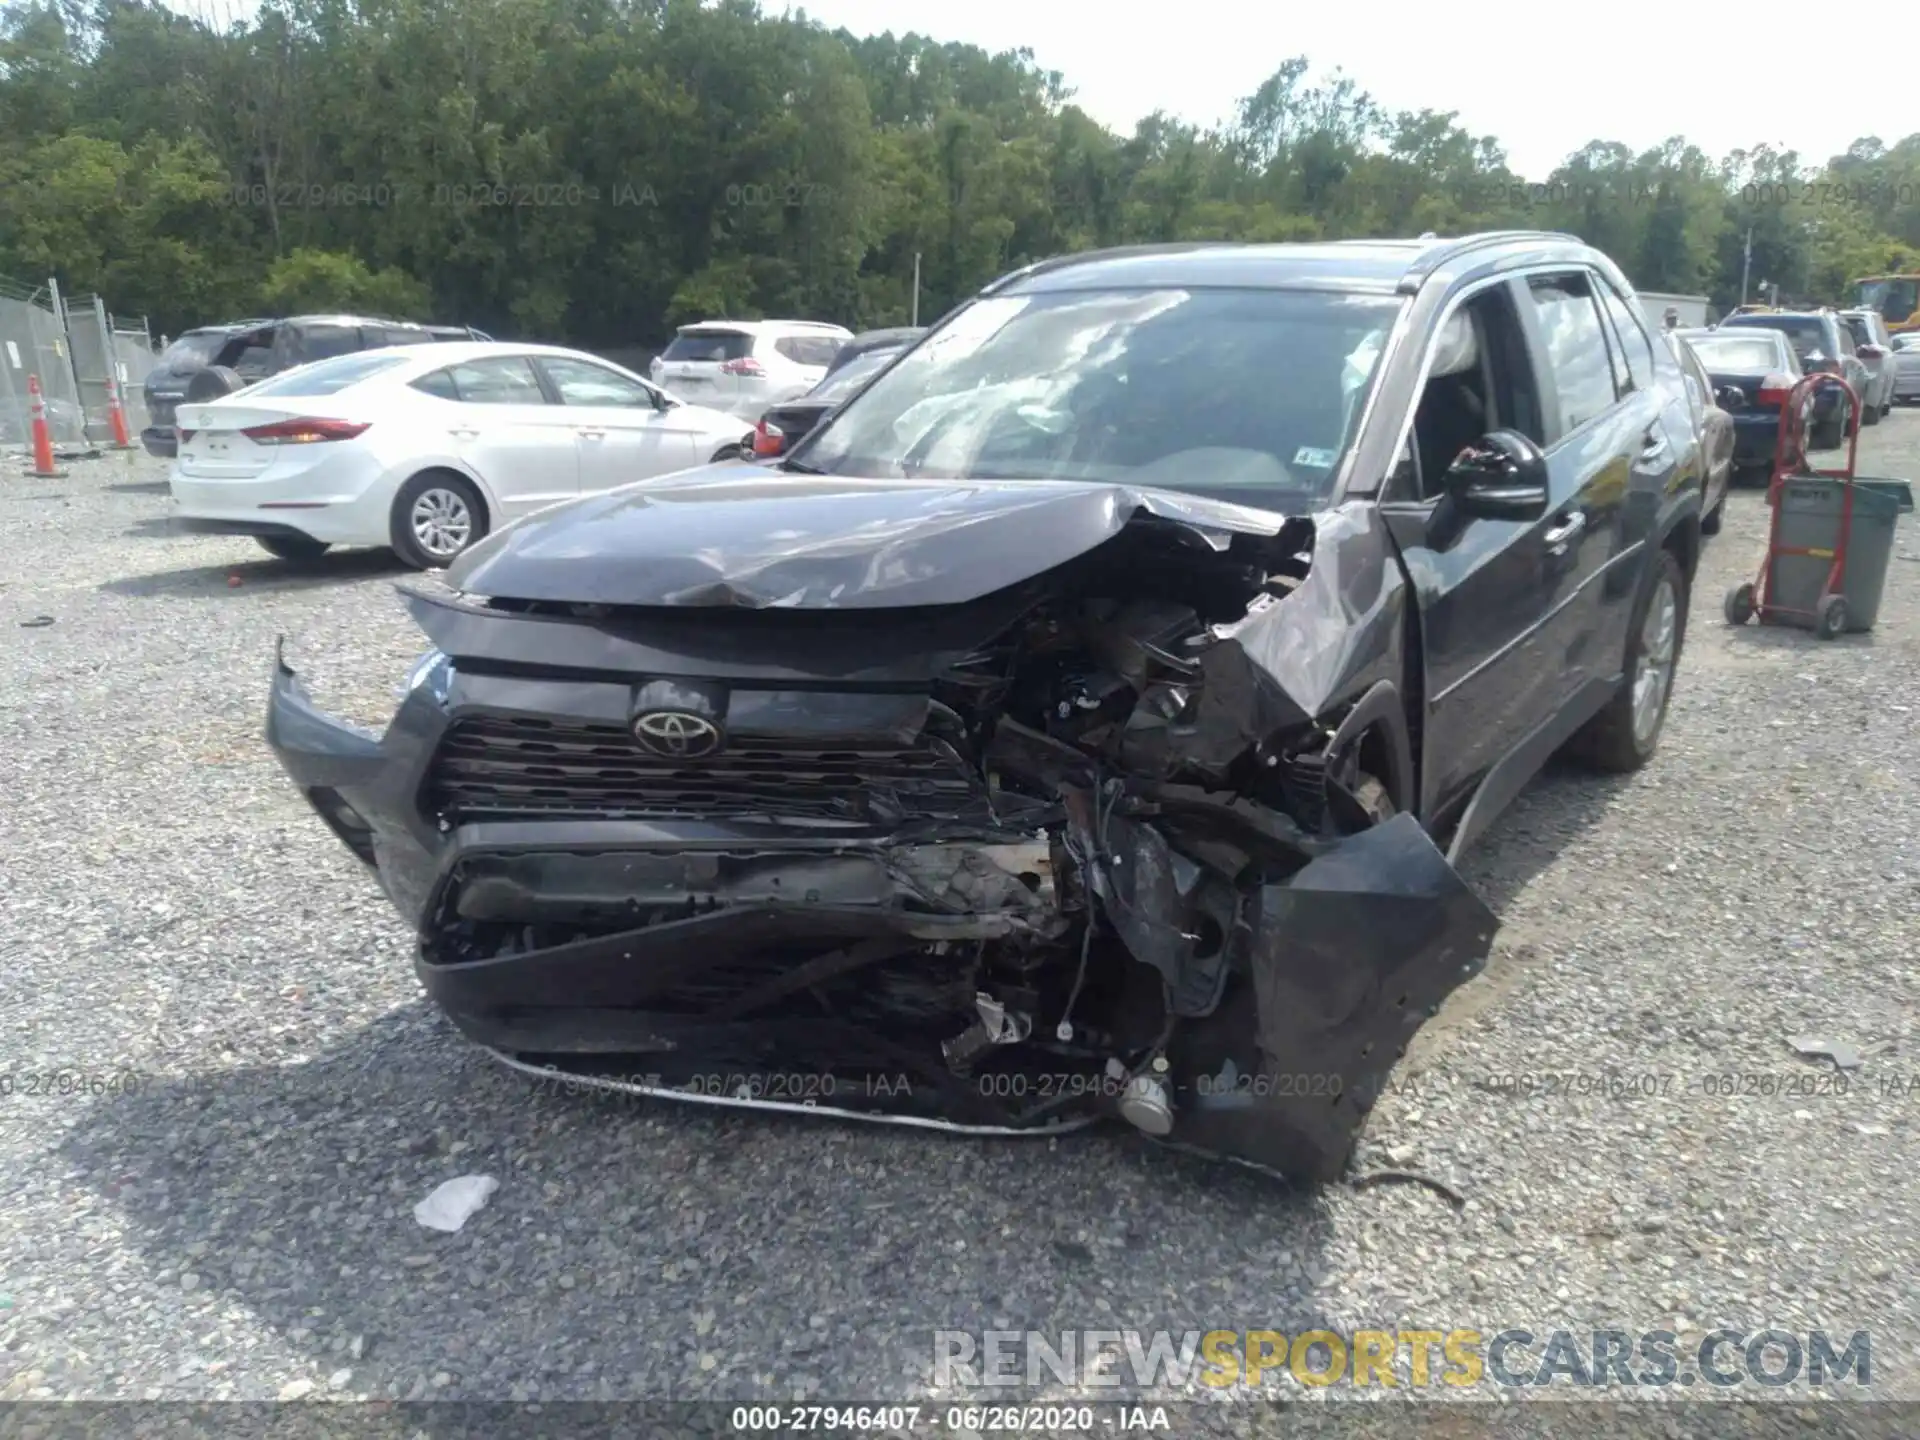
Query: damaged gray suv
(1080,724)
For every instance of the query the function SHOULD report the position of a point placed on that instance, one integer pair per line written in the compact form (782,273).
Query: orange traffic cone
(42,437)
(117,417)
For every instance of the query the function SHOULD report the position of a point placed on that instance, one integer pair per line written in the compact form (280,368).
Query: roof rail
(1448,250)
(1057,262)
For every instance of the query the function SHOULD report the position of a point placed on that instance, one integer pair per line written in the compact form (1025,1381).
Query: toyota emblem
(676,734)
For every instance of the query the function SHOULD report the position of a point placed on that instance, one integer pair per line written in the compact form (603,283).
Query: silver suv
(1874,343)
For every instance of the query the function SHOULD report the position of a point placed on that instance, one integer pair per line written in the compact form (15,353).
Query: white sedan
(425,448)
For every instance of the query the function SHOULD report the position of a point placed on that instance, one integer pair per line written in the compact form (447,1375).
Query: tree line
(597,171)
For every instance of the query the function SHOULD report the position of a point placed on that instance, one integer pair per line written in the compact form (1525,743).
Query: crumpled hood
(745,535)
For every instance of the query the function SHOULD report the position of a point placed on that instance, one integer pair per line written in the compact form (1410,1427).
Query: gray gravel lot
(241,1225)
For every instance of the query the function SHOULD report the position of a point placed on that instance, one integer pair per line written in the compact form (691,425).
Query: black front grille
(500,768)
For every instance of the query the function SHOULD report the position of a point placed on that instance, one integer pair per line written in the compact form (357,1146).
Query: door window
(1635,347)
(808,349)
(323,342)
(1577,357)
(1475,386)
(440,383)
(506,380)
(581,383)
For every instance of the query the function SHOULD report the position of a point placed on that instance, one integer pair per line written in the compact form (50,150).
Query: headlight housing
(434,670)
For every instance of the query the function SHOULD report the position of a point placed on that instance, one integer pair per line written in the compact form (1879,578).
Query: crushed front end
(1063,851)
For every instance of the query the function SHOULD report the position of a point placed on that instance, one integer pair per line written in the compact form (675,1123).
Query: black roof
(1385,266)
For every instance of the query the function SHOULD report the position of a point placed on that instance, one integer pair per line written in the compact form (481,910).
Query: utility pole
(1746,265)
(916,289)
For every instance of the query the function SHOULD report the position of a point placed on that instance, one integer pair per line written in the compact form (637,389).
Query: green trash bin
(1810,511)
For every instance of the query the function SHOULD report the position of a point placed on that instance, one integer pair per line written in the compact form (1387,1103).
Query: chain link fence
(72,346)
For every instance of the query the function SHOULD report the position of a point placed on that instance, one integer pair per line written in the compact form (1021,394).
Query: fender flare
(1381,707)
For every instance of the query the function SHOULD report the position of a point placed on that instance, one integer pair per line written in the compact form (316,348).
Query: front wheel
(1624,735)
(293,547)
(436,516)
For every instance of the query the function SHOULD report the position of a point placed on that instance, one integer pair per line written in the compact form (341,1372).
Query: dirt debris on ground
(227,1093)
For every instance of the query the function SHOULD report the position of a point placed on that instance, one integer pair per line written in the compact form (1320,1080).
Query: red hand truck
(1829,615)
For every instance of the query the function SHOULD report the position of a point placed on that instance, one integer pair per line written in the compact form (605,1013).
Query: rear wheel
(436,516)
(1710,523)
(1624,735)
(293,547)
(1831,618)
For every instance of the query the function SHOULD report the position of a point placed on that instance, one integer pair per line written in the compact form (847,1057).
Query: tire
(725,453)
(1710,523)
(1741,604)
(437,516)
(1613,741)
(293,547)
(1830,619)
(214,382)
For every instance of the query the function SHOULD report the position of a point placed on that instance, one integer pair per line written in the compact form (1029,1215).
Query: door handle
(591,434)
(462,432)
(1565,533)
(1654,444)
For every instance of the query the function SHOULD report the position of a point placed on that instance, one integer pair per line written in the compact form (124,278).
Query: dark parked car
(784,426)
(1074,728)
(216,360)
(1823,344)
(1751,371)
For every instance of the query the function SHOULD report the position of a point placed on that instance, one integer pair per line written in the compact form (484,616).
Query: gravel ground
(240,1226)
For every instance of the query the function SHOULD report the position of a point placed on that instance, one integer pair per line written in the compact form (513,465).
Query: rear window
(191,351)
(1806,333)
(329,377)
(1736,353)
(808,349)
(709,346)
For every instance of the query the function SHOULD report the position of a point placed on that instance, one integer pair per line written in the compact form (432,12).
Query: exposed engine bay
(1101,864)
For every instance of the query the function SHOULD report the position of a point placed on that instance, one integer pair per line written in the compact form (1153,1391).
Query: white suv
(743,366)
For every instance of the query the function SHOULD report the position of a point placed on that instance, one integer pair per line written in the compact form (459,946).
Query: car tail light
(1775,389)
(745,365)
(304,431)
(768,439)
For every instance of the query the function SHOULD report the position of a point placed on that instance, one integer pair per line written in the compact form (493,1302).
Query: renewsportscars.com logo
(1139,1360)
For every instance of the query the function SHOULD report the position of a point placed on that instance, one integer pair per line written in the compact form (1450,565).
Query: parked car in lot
(743,366)
(1073,721)
(1874,345)
(1823,344)
(1750,372)
(218,360)
(1713,427)
(862,358)
(1906,359)
(426,448)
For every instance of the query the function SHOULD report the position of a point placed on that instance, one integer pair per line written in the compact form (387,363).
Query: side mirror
(1872,352)
(1501,476)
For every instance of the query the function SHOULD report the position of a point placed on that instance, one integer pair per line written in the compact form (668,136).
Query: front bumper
(1341,963)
